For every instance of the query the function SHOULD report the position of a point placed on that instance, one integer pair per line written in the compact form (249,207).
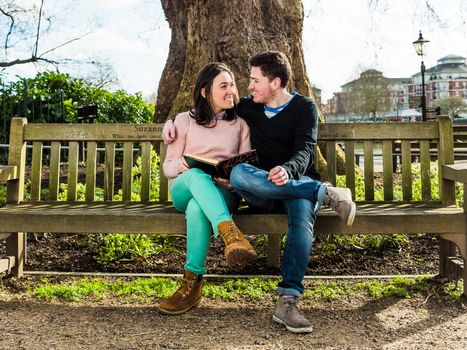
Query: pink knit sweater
(226,139)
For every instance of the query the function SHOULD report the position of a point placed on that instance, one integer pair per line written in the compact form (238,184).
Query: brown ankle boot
(238,251)
(188,295)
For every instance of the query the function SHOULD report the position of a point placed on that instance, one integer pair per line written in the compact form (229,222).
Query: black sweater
(287,139)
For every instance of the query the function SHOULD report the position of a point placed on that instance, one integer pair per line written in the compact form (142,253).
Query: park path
(345,324)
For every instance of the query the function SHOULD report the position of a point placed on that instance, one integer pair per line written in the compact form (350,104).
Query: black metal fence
(23,103)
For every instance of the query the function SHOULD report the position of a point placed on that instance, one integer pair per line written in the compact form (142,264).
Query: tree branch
(65,43)
(32,59)
(10,30)
(36,44)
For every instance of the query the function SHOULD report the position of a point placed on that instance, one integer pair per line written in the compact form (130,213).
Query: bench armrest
(8,172)
(455,172)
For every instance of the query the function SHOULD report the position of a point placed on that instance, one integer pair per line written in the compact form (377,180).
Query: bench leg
(464,276)
(448,245)
(274,250)
(446,249)
(15,247)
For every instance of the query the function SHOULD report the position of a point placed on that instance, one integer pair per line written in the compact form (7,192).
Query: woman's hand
(224,183)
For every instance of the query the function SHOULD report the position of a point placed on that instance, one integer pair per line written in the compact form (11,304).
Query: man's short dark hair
(273,64)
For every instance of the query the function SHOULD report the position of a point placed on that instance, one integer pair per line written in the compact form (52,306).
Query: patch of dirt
(78,252)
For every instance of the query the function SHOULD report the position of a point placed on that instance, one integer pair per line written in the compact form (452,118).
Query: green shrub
(2,195)
(113,107)
(124,247)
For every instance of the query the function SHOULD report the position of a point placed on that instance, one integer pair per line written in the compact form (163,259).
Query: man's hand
(278,175)
(169,132)
(224,183)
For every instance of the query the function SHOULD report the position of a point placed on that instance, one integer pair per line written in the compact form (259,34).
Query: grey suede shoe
(340,200)
(288,314)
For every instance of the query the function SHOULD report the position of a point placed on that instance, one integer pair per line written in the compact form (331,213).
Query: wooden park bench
(386,216)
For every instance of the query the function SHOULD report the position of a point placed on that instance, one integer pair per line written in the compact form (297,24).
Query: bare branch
(36,44)
(65,43)
(10,30)
(433,14)
(32,59)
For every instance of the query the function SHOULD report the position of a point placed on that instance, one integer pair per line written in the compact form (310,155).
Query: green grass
(140,289)
(147,290)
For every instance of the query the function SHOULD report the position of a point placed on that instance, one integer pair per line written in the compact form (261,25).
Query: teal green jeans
(205,206)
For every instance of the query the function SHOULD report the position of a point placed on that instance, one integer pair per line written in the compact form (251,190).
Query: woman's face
(223,92)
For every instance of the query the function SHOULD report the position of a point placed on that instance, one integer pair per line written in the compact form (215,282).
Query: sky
(340,38)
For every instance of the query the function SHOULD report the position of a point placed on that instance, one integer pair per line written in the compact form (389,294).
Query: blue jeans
(301,199)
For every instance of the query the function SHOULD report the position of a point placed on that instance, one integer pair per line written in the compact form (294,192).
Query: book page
(202,159)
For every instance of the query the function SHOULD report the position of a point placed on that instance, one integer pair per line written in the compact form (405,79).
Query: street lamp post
(418,44)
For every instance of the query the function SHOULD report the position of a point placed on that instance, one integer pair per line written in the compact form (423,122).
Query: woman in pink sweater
(212,129)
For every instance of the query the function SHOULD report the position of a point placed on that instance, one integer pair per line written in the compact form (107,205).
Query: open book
(222,168)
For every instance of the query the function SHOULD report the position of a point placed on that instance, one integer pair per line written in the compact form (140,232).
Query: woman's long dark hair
(203,112)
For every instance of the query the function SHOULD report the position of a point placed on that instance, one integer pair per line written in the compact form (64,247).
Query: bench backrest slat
(331,160)
(91,155)
(127,170)
(406,170)
(109,171)
(383,131)
(17,156)
(72,170)
(425,170)
(92,132)
(388,181)
(146,148)
(350,166)
(54,170)
(369,170)
(163,181)
(36,171)
(446,156)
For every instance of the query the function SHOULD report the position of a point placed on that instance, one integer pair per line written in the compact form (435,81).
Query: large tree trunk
(228,31)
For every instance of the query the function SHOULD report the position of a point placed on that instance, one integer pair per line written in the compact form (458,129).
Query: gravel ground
(349,323)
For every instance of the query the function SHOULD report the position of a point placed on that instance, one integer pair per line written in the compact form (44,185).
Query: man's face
(260,87)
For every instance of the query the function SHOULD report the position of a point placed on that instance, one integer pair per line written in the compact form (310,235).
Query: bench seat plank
(139,218)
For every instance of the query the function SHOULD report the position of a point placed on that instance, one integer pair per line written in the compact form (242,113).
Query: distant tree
(366,95)
(102,76)
(452,106)
(26,27)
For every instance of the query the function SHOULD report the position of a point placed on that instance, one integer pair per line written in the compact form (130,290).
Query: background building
(373,96)
(447,79)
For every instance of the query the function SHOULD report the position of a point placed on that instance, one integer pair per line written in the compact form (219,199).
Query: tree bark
(231,32)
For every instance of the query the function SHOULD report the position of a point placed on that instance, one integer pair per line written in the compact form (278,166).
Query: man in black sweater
(283,130)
